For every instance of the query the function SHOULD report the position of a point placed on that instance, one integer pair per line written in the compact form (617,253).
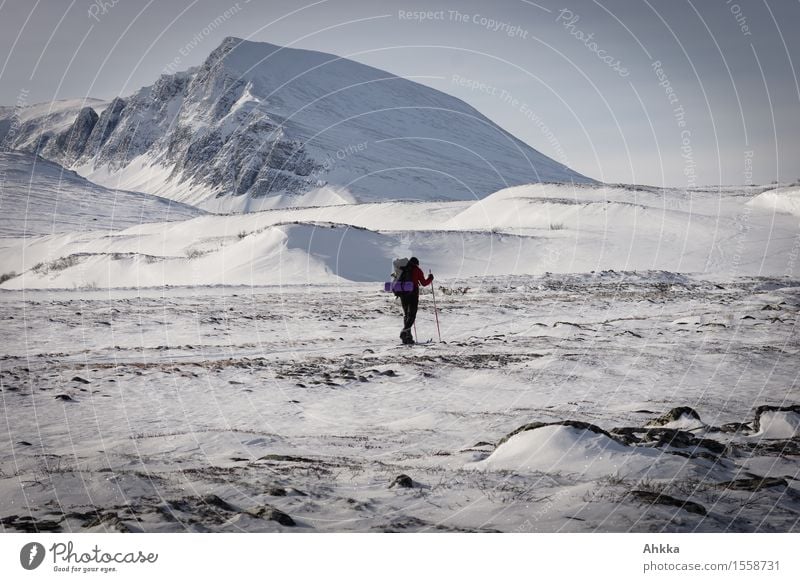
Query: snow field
(227,409)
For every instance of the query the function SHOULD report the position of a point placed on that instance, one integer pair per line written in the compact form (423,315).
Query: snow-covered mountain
(260,126)
(39,197)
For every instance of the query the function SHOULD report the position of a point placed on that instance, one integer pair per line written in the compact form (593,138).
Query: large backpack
(401,283)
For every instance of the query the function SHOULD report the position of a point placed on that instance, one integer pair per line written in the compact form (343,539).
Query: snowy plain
(243,372)
(295,409)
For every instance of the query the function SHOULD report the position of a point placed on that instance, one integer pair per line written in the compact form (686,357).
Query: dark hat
(414,260)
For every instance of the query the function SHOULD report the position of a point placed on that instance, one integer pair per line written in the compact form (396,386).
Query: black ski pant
(410,303)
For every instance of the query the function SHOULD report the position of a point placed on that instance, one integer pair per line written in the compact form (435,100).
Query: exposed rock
(71,143)
(403,481)
(110,521)
(735,427)
(772,446)
(661,499)
(104,127)
(216,501)
(30,524)
(671,437)
(405,524)
(675,414)
(80,380)
(270,513)
(64,397)
(754,484)
(287,459)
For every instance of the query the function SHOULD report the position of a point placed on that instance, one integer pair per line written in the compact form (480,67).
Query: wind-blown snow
(785,200)
(40,197)
(778,425)
(571,450)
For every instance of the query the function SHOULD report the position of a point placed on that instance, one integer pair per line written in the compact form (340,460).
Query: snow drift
(785,200)
(517,231)
(577,450)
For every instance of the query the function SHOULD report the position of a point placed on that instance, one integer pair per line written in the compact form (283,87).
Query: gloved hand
(430,278)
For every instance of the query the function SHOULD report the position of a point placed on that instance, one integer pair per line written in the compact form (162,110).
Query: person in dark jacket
(410,301)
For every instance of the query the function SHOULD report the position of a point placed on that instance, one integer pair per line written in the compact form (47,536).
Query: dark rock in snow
(216,501)
(29,524)
(286,459)
(110,521)
(754,484)
(81,380)
(482,444)
(64,397)
(270,513)
(106,124)
(671,437)
(71,143)
(661,499)
(735,427)
(403,481)
(675,414)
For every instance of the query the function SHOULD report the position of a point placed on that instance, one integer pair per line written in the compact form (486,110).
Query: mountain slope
(40,197)
(260,126)
(517,231)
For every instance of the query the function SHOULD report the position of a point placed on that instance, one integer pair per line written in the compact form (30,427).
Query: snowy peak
(261,126)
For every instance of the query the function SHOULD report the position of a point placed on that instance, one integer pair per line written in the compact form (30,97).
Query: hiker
(410,300)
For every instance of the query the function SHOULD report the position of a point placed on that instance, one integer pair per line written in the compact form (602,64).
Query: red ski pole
(435,311)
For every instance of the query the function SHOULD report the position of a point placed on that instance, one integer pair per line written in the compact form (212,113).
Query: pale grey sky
(575,79)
